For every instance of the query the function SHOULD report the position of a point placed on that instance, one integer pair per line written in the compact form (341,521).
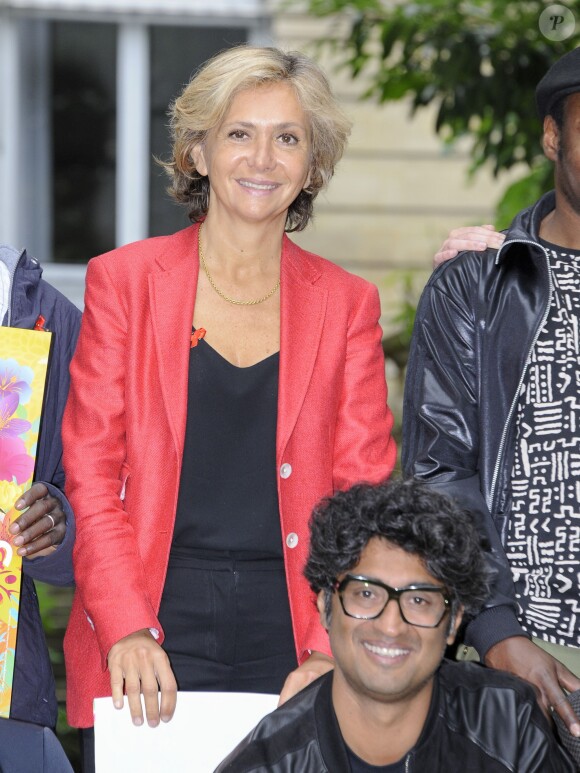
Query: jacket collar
(177,248)
(525,228)
(527,223)
(432,715)
(10,256)
(332,746)
(25,275)
(172,291)
(302,312)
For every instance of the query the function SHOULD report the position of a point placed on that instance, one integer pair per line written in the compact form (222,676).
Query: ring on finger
(48,515)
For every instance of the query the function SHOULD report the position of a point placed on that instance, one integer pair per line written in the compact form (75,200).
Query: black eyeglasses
(422,605)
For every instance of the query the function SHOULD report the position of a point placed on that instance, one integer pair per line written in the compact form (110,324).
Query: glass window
(176,53)
(83,129)
(83,114)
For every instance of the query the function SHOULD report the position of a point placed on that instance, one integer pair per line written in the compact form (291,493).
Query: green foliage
(48,606)
(396,345)
(523,192)
(54,607)
(478,61)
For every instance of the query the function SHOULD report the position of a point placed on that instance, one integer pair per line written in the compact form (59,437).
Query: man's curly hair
(411,516)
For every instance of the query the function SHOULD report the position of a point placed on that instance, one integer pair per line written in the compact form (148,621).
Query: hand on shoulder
(476,238)
(552,679)
(314,666)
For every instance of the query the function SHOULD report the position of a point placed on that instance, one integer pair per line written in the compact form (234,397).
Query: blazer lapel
(302,313)
(172,294)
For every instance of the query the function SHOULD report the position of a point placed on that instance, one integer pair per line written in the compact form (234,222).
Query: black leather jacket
(477,321)
(480,720)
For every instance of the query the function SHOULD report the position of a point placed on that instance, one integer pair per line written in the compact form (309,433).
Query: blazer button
(292,539)
(285,470)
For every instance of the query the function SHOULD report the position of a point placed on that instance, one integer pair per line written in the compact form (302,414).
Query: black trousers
(227,628)
(227,624)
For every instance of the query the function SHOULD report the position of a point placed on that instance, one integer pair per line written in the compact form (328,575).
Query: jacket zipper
(524,369)
(407,761)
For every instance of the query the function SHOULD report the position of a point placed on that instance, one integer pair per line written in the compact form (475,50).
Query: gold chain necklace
(216,288)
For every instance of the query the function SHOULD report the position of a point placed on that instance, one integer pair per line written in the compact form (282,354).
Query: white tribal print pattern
(543,539)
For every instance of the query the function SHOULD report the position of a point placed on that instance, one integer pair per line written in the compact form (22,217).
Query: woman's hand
(476,238)
(313,667)
(139,664)
(42,527)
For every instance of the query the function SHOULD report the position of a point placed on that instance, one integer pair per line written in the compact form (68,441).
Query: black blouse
(228,498)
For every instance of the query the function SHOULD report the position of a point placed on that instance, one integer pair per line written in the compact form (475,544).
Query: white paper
(205,728)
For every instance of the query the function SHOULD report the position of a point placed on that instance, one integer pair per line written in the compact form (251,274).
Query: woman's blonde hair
(206,99)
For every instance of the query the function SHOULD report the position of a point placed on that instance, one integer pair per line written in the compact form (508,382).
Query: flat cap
(562,79)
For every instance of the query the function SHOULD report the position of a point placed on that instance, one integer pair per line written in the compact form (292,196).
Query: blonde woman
(225,380)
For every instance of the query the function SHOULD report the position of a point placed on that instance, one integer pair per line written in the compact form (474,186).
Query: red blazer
(124,430)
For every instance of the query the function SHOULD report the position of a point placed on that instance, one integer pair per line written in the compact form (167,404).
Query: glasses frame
(392,594)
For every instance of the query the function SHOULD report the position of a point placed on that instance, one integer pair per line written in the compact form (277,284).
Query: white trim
(227,9)
(35,183)
(10,126)
(133,120)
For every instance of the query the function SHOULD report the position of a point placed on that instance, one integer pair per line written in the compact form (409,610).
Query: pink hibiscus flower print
(16,379)
(10,426)
(15,463)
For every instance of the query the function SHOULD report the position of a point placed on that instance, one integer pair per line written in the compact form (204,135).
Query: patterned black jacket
(476,324)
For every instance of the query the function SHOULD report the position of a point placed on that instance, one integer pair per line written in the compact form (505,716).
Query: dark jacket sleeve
(63,319)
(441,428)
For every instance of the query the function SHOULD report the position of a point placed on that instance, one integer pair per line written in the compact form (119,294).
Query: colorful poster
(23,365)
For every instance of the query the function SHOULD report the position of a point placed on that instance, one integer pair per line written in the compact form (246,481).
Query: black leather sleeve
(441,424)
